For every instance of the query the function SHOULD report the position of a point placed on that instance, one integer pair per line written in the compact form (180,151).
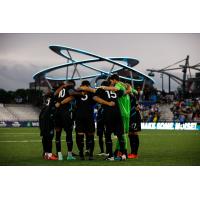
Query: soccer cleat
(60,156)
(118,158)
(102,154)
(70,158)
(110,158)
(132,156)
(52,157)
(123,157)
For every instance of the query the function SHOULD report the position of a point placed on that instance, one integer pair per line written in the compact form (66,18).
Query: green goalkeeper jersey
(124,101)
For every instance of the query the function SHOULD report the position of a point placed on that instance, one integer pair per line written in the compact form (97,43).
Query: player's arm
(109,88)
(87,89)
(65,101)
(102,101)
(73,92)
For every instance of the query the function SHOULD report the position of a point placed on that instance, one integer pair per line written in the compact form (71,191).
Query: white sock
(59,154)
(69,153)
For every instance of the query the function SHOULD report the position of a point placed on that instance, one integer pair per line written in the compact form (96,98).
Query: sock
(87,143)
(91,144)
(44,144)
(69,153)
(101,143)
(109,144)
(80,143)
(69,141)
(124,136)
(58,141)
(121,143)
(135,144)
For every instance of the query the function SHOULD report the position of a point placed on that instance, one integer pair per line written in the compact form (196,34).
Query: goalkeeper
(124,105)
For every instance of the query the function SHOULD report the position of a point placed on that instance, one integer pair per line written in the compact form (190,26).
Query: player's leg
(126,130)
(80,144)
(58,142)
(109,130)
(67,123)
(135,127)
(91,145)
(100,134)
(87,146)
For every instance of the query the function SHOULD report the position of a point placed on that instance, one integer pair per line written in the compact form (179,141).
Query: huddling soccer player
(63,118)
(84,118)
(124,105)
(46,124)
(135,126)
(112,117)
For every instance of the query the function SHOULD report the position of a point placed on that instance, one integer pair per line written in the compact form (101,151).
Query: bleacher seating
(5,115)
(19,112)
(165,113)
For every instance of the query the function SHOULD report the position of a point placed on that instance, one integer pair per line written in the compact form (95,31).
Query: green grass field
(22,147)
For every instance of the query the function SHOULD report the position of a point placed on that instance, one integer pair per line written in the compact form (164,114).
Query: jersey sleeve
(99,92)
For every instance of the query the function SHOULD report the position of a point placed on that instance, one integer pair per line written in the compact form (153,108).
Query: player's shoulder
(99,91)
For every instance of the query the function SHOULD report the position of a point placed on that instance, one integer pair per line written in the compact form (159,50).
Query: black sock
(101,143)
(109,144)
(44,144)
(87,143)
(69,141)
(80,143)
(91,144)
(131,142)
(58,141)
(135,144)
(121,143)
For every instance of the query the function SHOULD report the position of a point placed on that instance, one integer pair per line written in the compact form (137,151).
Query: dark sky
(22,55)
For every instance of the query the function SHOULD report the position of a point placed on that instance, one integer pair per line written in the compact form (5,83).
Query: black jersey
(111,114)
(46,117)
(64,93)
(85,106)
(109,96)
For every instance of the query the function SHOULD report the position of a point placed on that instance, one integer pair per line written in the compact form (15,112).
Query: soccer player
(84,118)
(46,124)
(63,118)
(135,126)
(124,105)
(112,117)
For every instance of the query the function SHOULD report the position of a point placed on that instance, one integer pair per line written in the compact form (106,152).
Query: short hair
(71,81)
(105,83)
(114,77)
(85,83)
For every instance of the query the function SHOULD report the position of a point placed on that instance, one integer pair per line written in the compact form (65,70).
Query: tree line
(29,96)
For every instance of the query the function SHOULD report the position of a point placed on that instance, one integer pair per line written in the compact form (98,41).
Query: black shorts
(85,125)
(63,120)
(135,122)
(113,123)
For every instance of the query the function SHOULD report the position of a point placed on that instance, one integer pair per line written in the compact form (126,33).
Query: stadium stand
(5,115)
(20,112)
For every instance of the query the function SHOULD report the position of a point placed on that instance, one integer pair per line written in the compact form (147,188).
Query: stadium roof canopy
(79,66)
